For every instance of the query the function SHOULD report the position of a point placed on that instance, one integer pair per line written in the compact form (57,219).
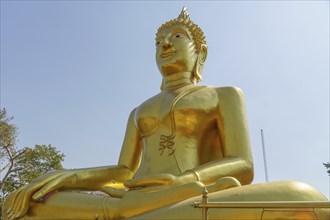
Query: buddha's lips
(167,54)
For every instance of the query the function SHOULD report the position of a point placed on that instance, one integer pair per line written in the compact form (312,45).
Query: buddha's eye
(178,35)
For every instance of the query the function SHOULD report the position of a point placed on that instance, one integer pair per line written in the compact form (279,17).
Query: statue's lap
(91,206)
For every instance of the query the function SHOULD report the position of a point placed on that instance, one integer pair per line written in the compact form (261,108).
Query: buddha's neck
(178,80)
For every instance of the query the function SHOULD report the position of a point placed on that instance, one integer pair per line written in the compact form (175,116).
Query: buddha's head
(181,47)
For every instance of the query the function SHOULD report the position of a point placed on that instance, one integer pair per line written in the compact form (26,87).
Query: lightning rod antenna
(264,154)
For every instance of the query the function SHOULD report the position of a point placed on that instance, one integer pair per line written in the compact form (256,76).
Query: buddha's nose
(166,45)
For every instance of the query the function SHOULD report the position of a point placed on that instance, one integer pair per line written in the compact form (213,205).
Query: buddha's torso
(193,122)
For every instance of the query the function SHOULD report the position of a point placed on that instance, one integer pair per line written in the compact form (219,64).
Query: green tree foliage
(20,166)
(327,165)
(31,164)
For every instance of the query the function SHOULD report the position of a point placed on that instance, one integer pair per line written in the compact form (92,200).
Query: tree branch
(11,161)
(19,153)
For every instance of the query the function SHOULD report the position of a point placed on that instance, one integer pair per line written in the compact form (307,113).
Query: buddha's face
(175,50)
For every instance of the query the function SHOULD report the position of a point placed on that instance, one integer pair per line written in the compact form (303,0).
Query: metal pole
(204,202)
(266,204)
(264,155)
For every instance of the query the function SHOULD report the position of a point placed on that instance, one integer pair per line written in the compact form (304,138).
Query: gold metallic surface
(275,207)
(183,141)
(265,204)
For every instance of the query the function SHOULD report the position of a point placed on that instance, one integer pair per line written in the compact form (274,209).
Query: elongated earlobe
(198,72)
(200,63)
(162,85)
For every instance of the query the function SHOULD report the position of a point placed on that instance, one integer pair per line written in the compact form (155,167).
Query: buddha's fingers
(224,183)
(10,200)
(115,193)
(20,200)
(18,206)
(153,200)
(23,199)
(152,180)
(56,183)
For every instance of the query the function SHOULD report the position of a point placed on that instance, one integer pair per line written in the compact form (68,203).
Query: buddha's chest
(184,111)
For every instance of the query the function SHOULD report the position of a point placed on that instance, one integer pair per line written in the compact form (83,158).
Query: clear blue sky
(71,72)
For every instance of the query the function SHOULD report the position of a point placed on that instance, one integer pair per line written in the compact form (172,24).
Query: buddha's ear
(202,55)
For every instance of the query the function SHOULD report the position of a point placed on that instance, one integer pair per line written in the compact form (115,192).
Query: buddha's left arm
(234,138)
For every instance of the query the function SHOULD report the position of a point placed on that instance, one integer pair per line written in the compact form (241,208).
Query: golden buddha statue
(177,143)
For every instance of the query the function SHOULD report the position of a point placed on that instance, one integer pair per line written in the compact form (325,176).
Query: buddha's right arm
(98,177)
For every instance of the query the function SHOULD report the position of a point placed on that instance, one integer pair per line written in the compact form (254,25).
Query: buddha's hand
(159,181)
(19,202)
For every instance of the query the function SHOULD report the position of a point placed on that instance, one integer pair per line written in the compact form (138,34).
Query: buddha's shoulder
(228,90)
(225,91)
(150,103)
(229,94)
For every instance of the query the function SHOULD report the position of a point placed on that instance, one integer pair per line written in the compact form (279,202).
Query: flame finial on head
(184,14)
